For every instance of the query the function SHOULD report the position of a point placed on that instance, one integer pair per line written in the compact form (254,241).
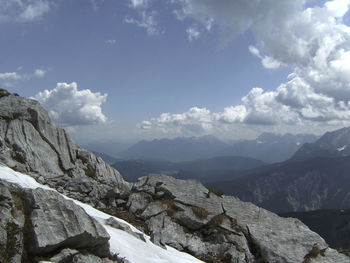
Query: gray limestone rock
(11,225)
(165,231)
(154,208)
(59,223)
(80,258)
(188,217)
(119,225)
(138,201)
(65,256)
(31,143)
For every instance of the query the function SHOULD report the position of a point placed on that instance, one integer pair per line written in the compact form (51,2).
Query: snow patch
(340,149)
(121,243)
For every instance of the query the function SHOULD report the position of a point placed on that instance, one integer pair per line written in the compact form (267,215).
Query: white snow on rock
(340,149)
(121,243)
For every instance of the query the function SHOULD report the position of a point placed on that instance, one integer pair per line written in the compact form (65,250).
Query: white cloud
(34,10)
(10,76)
(23,11)
(193,33)
(111,41)
(338,8)
(138,3)
(195,120)
(70,106)
(314,41)
(266,61)
(40,73)
(147,21)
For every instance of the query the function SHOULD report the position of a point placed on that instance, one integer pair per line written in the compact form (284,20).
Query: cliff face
(177,213)
(31,143)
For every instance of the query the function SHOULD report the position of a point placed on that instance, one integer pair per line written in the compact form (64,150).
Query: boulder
(59,223)
(12,221)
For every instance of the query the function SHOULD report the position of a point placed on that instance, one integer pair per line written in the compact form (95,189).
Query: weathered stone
(271,237)
(192,217)
(31,143)
(5,196)
(11,225)
(59,223)
(65,256)
(80,258)
(165,231)
(138,201)
(154,208)
(119,225)
(188,192)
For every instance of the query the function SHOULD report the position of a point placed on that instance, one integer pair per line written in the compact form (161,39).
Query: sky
(143,69)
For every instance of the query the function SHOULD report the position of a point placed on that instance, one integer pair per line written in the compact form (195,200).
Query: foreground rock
(187,216)
(41,224)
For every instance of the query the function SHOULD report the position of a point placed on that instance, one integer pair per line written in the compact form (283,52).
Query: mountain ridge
(331,144)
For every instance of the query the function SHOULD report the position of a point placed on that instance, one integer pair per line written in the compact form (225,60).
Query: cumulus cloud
(40,73)
(312,40)
(23,11)
(195,120)
(70,106)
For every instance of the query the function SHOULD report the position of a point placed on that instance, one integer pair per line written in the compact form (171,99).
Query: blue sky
(134,69)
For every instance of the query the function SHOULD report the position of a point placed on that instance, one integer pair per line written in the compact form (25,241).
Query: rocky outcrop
(61,223)
(41,224)
(188,217)
(31,143)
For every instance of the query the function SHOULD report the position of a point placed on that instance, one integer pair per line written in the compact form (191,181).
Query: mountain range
(178,149)
(211,169)
(267,147)
(270,148)
(315,178)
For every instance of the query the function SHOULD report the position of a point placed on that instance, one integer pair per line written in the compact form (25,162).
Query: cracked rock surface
(187,216)
(31,143)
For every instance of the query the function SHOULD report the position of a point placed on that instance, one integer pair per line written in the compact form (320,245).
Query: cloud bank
(70,107)
(312,40)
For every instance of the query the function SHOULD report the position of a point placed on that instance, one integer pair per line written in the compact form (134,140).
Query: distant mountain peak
(331,144)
